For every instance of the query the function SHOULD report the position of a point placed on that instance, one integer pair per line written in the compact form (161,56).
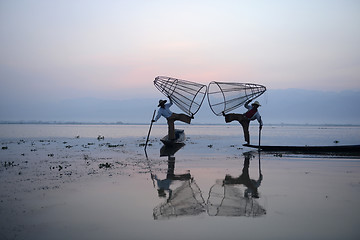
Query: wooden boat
(344,149)
(179,138)
(170,150)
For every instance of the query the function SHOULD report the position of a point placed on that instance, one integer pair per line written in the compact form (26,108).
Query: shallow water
(212,188)
(270,135)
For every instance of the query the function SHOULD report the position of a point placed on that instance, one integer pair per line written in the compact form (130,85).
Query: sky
(59,50)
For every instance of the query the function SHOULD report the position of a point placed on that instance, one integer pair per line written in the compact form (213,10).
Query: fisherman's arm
(170,101)
(159,113)
(247,104)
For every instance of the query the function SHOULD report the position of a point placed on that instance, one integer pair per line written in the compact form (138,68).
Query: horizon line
(38,122)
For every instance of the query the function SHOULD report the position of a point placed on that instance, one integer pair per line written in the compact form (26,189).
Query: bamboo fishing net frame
(187,95)
(224,97)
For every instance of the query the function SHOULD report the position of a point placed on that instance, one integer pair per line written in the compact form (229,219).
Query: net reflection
(186,198)
(231,196)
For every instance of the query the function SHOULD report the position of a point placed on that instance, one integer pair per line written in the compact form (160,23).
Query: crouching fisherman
(244,119)
(164,110)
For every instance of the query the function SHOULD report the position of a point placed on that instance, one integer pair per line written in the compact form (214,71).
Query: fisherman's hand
(260,127)
(153,121)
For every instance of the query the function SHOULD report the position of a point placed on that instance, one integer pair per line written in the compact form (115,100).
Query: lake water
(61,182)
(270,135)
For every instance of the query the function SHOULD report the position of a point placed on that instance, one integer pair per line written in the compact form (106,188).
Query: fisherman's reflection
(227,199)
(184,195)
(244,179)
(164,185)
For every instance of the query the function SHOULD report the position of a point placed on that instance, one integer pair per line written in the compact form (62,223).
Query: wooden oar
(147,139)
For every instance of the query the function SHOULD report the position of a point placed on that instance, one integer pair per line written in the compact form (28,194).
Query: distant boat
(179,138)
(344,149)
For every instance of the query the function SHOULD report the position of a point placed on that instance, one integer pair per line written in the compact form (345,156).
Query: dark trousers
(176,117)
(244,121)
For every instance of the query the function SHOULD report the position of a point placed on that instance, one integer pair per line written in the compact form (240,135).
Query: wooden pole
(259,152)
(151,175)
(259,137)
(147,139)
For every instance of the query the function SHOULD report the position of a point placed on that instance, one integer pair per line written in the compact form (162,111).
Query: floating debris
(105,165)
(9,164)
(115,145)
(143,144)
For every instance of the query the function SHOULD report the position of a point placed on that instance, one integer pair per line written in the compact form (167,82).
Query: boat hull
(179,138)
(309,149)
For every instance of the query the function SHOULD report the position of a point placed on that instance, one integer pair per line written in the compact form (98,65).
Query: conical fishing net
(229,200)
(186,200)
(225,96)
(188,96)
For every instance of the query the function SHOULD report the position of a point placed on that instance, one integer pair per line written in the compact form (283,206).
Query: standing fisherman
(244,119)
(164,110)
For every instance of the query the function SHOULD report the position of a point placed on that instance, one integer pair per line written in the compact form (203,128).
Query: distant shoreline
(200,124)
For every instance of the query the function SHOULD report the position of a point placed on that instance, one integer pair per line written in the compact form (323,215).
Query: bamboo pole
(147,139)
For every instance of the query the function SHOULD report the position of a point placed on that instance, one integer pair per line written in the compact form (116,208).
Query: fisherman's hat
(161,102)
(256,103)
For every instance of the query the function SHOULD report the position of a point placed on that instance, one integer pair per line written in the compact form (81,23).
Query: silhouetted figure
(244,119)
(164,110)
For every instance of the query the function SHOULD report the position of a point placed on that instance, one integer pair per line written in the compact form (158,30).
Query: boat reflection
(231,196)
(227,198)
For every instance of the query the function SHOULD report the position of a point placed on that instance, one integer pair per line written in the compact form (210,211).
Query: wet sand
(89,188)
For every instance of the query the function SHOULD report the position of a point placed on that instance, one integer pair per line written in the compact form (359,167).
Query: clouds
(111,48)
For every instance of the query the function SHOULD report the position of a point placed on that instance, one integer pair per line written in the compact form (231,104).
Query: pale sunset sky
(114,49)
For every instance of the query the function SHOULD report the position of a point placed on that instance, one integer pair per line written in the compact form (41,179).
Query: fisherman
(244,119)
(164,110)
